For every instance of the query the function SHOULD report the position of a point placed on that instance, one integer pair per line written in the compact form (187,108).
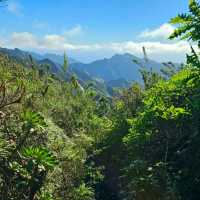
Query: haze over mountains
(119,66)
(117,71)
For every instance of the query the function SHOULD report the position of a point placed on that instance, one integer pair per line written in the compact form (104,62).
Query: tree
(149,76)
(65,63)
(188,23)
(3,3)
(189,28)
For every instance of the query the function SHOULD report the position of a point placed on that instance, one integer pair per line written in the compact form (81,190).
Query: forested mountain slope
(117,67)
(59,141)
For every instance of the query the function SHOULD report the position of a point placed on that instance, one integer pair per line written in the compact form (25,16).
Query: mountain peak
(118,67)
(125,55)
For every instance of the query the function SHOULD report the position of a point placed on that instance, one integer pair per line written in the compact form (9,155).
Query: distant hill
(15,53)
(23,55)
(119,83)
(55,67)
(117,67)
(49,59)
(40,60)
(118,71)
(54,57)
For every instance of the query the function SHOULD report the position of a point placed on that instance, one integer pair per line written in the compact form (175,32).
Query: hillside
(115,72)
(84,78)
(119,128)
(23,55)
(57,58)
(117,67)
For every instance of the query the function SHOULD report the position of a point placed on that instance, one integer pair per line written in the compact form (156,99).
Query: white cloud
(75,31)
(23,39)
(53,41)
(2,41)
(160,51)
(14,8)
(163,32)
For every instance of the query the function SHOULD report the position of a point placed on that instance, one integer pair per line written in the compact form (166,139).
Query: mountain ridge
(119,66)
(118,70)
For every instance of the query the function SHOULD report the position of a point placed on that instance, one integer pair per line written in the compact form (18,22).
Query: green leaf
(41,156)
(181,19)
(33,119)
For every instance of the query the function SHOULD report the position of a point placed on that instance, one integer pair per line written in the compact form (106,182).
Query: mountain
(23,55)
(119,83)
(118,71)
(54,57)
(55,68)
(49,59)
(15,53)
(117,67)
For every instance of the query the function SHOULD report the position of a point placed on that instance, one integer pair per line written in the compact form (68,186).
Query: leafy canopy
(188,23)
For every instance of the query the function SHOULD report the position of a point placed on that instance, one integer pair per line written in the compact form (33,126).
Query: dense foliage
(59,141)
(47,127)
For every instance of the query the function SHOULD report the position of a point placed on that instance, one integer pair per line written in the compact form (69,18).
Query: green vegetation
(46,133)
(59,141)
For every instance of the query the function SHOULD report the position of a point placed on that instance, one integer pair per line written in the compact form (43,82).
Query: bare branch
(9,99)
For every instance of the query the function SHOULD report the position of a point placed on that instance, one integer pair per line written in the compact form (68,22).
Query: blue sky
(92,29)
